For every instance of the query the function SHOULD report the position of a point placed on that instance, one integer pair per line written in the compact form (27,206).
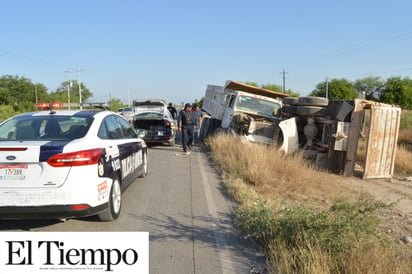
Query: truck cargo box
(232,85)
(214,101)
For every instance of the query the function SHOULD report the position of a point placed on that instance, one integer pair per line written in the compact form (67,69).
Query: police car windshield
(44,128)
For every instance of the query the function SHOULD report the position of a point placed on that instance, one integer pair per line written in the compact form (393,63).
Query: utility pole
(327,91)
(80,88)
(284,80)
(128,97)
(68,86)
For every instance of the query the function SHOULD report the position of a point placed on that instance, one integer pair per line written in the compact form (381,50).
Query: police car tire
(114,206)
(145,165)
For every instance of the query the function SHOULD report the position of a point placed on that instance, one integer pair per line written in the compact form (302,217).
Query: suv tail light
(167,124)
(78,158)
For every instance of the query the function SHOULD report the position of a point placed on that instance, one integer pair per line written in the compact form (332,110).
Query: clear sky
(172,50)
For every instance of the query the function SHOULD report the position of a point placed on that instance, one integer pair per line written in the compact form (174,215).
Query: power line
(34,59)
(371,44)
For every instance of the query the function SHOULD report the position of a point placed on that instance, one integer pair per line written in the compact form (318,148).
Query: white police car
(65,164)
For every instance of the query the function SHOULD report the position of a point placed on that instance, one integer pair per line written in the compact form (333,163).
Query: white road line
(220,240)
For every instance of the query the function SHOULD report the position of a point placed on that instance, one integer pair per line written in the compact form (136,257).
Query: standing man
(172,110)
(197,115)
(186,125)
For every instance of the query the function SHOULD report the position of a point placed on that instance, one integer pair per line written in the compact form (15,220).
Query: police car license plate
(13,172)
(160,133)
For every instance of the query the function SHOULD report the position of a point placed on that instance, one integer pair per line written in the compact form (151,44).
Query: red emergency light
(46,106)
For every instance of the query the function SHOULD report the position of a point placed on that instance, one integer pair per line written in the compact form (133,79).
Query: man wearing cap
(197,115)
(186,125)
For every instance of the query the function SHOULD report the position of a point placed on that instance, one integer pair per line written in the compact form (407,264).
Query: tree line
(393,91)
(20,93)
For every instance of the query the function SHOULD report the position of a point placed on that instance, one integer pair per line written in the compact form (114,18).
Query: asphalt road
(184,207)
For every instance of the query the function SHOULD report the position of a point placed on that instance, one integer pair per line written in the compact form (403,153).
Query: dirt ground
(397,221)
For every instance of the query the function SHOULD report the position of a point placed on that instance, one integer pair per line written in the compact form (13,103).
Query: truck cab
(253,116)
(251,112)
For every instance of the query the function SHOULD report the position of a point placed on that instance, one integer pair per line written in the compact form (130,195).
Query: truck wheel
(313,101)
(292,101)
(312,110)
(289,109)
(204,127)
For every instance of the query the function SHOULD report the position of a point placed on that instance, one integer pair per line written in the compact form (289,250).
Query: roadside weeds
(308,220)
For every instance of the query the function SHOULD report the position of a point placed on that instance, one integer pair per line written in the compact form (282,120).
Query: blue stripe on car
(129,170)
(51,148)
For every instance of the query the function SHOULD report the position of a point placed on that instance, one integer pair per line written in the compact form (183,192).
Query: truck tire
(292,101)
(289,109)
(312,110)
(214,124)
(313,101)
(204,128)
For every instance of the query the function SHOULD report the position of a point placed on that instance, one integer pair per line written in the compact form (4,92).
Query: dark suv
(153,121)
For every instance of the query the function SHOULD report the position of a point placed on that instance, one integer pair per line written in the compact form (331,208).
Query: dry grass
(258,175)
(274,174)
(308,258)
(403,161)
(304,259)
(405,136)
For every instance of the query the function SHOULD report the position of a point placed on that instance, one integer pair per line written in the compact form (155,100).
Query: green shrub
(406,120)
(334,230)
(6,112)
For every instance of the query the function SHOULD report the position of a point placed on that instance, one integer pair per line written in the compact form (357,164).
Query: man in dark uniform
(186,125)
(172,110)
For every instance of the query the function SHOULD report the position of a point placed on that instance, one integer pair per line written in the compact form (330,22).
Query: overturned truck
(326,131)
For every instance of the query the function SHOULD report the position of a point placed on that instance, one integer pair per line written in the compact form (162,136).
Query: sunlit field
(306,221)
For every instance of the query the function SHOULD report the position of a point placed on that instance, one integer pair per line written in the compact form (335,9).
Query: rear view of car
(67,164)
(154,122)
(127,113)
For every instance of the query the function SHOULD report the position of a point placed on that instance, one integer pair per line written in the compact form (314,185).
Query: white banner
(74,252)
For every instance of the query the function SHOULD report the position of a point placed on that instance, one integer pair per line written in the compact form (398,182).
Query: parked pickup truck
(153,121)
